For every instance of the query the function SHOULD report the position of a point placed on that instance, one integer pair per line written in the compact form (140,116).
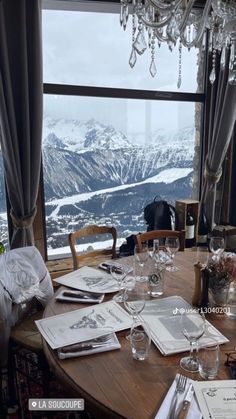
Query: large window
(108,150)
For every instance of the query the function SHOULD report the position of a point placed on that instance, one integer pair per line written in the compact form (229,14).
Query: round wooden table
(113,384)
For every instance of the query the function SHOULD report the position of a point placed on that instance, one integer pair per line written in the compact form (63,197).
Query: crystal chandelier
(180,22)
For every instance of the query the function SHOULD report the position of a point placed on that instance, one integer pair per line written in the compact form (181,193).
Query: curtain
(21,104)
(222,116)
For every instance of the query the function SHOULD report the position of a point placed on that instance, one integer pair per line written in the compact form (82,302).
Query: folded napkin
(193,412)
(89,347)
(77,296)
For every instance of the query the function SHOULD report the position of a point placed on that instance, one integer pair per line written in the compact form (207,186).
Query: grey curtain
(222,116)
(21,101)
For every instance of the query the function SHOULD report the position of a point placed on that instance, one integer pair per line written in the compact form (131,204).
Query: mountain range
(94,174)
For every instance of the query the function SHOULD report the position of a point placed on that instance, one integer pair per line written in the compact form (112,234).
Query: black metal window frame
(107,92)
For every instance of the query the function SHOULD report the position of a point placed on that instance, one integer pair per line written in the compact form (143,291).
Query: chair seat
(26,333)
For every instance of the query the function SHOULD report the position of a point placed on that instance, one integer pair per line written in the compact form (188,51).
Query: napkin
(193,412)
(86,348)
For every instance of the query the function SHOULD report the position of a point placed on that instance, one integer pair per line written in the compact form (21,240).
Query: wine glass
(172,247)
(119,273)
(193,327)
(155,250)
(217,247)
(134,299)
(141,256)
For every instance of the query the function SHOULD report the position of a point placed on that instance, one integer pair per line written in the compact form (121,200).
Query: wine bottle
(202,228)
(189,230)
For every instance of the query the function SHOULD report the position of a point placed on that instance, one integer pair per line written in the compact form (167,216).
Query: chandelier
(180,22)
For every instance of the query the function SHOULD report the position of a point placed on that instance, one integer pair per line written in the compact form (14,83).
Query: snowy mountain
(77,136)
(94,174)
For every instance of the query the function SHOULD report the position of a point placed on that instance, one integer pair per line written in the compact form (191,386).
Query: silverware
(81,294)
(101,340)
(180,387)
(186,402)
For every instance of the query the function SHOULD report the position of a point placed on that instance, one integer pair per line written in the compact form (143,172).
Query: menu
(217,399)
(83,324)
(163,317)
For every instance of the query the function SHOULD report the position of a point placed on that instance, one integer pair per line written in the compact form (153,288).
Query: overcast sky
(92,49)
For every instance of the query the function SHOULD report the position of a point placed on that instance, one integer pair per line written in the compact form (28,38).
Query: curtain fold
(21,107)
(222,119)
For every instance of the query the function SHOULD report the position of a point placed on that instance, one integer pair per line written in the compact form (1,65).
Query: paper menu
(216,399)
(162,316)
(83,324)
(89,279)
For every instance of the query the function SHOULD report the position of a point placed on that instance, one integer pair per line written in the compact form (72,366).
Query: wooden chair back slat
(91,230)
(156,234)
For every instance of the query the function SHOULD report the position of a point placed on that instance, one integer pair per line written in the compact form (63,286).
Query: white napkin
(109,345)
(193,413)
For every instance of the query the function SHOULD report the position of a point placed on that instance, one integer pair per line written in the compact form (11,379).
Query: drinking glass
(193,327)
(135,295)
(141,257)
(231,301)
(172,247)
(155,250)
(209,361)
(217,247)
(140,340)
(118,273)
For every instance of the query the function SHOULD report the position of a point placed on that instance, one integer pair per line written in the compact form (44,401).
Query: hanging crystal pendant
(132,58)
(180,66)
(152,68)
(222,58)
(212,76)
(140,42)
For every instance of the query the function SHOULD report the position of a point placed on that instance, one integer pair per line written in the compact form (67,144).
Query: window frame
(110,6)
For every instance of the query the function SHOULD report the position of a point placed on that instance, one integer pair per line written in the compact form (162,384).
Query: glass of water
(231,301)
(140,340)
(209,361)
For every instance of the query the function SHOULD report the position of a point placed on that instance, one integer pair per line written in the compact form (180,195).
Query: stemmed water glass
(141,256)
(193,327)
(217,246)
(172,247)
(119,273)
(135,295)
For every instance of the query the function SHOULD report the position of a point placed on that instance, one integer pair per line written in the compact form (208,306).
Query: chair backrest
(156,234)
(91,230)
(229,235)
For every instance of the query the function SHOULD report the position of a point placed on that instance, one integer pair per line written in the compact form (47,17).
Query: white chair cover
(23,275)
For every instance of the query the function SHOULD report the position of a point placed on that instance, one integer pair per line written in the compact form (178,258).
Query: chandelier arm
(201,29)
(186,15)
(160,37)
(164,7)
(155,25)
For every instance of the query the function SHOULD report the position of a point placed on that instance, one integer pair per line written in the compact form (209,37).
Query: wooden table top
(113,384)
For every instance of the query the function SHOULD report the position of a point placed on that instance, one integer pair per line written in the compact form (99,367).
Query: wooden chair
(229,235)
(156,234)
(88,257)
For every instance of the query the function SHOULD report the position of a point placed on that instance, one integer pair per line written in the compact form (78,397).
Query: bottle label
(189,232)
(202,239)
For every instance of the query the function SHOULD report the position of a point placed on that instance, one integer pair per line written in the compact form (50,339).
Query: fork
(101,340)
(180,387)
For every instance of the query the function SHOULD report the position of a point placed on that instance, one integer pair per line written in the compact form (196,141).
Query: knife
(84,347)
(186,403)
